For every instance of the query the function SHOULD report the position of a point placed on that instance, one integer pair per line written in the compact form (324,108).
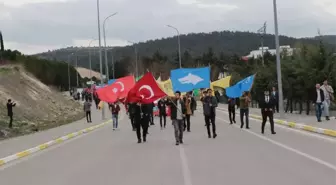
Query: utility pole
(112,60)
(281,109)
(76,71)
(100,54)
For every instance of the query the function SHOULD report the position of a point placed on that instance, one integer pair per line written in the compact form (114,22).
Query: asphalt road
(236,157)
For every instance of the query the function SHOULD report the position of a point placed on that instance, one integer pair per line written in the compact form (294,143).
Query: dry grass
(38,107)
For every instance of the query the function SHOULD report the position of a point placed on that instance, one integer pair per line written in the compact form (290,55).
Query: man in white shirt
(328,96)
(318,99)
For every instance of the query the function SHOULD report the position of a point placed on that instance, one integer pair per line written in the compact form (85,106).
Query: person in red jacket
(115,108)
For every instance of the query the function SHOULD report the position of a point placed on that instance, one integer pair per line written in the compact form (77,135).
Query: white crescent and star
(149,89)
(121,85)
(115,89)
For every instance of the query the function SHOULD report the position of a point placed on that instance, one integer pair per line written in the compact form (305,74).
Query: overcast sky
(32,26)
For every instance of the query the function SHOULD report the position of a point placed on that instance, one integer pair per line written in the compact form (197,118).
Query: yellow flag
(167,87)
(222,83)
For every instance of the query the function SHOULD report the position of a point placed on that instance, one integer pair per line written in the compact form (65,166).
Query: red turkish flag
(146,90)
(118,90)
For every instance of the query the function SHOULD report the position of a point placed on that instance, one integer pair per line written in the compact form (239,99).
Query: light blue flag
(111,81)
(239,88)
(188,79)
(233,91)
(246,83)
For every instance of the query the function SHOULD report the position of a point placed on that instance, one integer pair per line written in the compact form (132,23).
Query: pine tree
(2,48)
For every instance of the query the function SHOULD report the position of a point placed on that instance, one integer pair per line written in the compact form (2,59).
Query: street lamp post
(76,71)
(113,70)
(100,53)
(104,33)
(179,44)
(69,57)
(281,109)
(90,61)
(136,59)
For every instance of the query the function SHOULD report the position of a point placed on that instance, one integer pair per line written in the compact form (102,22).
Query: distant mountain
(225,42)
(330,39)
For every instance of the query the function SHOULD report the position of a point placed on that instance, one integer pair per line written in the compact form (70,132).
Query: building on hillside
(85,73)
(258,53)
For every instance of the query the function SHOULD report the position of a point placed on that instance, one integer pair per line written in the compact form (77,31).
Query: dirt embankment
(38,106)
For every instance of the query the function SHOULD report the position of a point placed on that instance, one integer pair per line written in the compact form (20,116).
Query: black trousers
(151,119)
(276,107)
(208,120)
(266,114)
(163,117)
(232,114)
(132,118)
(10,125)
(186,121)
(88,116)
(244,112)
(142,123)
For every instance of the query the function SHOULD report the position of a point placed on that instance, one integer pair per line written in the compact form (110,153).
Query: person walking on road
(328,97)
(318,99)
(178,111)
(244,109)
(209,110)
(10,106)
(87,110)
(189,105)
(115,108)
(131,113)
(162,111)
(266,105)
(275,99)
(151,115)
(141,118)
(232,110)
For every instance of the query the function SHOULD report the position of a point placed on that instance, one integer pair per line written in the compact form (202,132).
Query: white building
(258,53)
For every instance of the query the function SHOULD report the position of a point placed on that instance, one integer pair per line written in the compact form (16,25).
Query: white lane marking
(317,160)
(306,133)
(185,167)
(50,148)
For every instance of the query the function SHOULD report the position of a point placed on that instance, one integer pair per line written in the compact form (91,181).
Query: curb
(323,131)
(48,144)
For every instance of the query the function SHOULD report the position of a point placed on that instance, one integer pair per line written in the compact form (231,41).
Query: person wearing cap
(178,111)
(266,105)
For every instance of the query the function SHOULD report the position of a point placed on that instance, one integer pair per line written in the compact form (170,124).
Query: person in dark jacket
(131,109)
(266,104)
(10,106)
(151,116)
(141,120)
(209,110)
(232,110)
(178,111)
(318,99)
(145,110)
(162,111)
(244,109)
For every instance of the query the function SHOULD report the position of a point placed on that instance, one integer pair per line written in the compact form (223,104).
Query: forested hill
(226,42)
